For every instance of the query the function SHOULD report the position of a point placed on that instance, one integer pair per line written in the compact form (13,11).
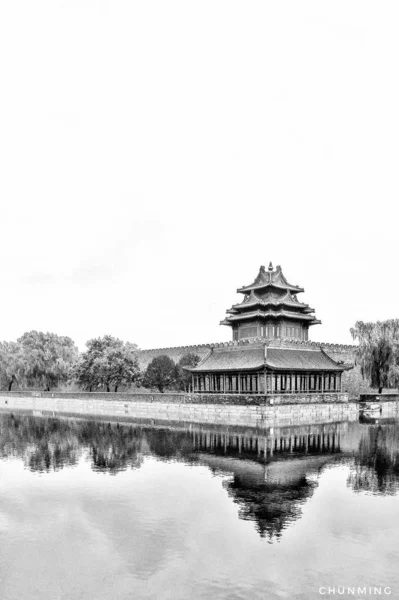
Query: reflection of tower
(270,473)
(273,507)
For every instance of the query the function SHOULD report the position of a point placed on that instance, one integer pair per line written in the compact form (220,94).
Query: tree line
(46,361)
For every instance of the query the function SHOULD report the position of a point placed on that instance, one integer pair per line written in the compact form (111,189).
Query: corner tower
(270,309)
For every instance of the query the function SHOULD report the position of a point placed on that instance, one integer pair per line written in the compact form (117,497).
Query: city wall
(248,411)
(352,381)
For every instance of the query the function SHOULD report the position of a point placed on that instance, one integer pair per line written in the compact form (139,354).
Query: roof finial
(270,266)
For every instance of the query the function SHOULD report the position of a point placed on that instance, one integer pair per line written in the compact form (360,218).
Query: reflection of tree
(43,444)
(376,466)
(112,447)
(51,444)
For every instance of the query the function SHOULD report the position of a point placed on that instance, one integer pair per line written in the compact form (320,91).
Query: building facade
(269,354)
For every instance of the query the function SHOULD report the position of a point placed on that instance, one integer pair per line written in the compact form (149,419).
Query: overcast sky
(154,154)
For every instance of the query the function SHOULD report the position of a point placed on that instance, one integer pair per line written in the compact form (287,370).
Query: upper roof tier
(269,298)
(270,279)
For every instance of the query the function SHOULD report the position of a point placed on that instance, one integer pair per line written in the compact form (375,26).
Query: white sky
(154,154)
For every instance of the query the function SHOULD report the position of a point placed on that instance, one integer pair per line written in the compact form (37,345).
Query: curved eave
(225,322)
(260,286)
(276,315)
(299,305)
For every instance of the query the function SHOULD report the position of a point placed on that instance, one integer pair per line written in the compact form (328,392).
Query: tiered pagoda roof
(270,296)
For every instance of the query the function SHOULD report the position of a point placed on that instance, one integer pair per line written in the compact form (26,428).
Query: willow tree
(11,364)
(378,352)
(46,358)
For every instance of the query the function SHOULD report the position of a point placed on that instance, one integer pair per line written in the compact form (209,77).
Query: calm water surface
(96,510)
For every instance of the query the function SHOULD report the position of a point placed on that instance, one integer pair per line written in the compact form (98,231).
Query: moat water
(97,510)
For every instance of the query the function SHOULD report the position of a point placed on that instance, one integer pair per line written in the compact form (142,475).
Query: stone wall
(172,412)
(146,356)
(180,398)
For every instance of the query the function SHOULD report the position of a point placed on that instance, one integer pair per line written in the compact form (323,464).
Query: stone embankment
(253,411)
